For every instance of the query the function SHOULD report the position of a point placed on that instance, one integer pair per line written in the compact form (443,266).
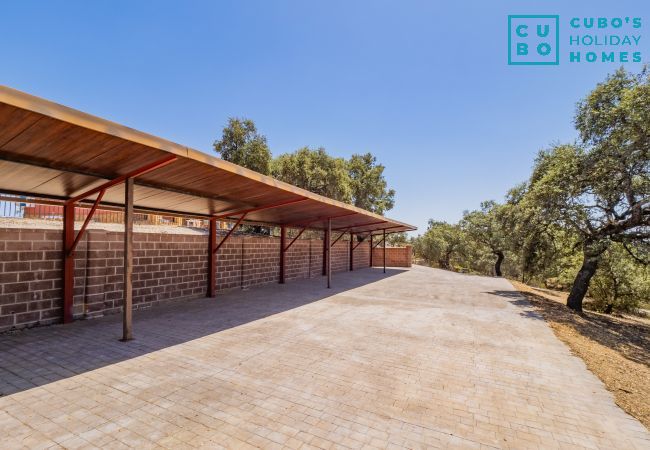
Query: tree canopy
(584,213)
(359,180)
(315,171)
(241,144)
(367,184)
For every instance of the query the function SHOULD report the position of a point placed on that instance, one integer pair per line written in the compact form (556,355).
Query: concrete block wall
(30,277)
(166,267)
(395,256)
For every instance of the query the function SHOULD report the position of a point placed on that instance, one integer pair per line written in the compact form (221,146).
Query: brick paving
(412,359)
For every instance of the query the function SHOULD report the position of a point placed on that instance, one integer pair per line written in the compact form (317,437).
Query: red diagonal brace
(260,208)
(229,233)
(295,239)
(358,243)
(87,221)
(338,238)
(382,229)
(141,171)
(318,219)
(361,225)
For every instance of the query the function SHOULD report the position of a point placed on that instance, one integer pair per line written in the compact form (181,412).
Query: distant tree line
(358,180)
(581,222)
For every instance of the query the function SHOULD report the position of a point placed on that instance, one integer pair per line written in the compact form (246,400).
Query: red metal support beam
(260,208)
(371,247)
(89,217)
(326,240)
(329,253)
(338,238)
(318,219)
(295,239)
(225,238)
(70,242)
(358,244)
(68,261)
(360,225)
(212,259)
(384,240)
(283,250)
(137,172)
(352,247)
(127,308)
(382,229)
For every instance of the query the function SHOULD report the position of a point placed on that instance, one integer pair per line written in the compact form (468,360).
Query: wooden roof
(50,150)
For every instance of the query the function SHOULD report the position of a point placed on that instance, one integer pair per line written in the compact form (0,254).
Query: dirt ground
(614,348)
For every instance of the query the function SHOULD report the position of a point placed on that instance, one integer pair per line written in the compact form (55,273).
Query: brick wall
(395,256)
(166,267)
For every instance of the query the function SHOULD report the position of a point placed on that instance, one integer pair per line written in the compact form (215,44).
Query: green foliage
(397,240)
(368,185)
(243,145)
(582,220)
(441,244)
(315,171)
(487,228)
(599,189)
(359,181)
(620,284)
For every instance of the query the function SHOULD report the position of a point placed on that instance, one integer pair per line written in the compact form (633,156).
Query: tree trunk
(448,260)
(497,264)
(581,283)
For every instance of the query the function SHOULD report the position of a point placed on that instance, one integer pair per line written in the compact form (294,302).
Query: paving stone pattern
(416,358)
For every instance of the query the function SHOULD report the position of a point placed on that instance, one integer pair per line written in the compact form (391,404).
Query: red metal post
(351,252)
(329,253)
(212,259)
(283,237)
(127,308)
(326,240)
(384,250)
(68,261)
(371,250)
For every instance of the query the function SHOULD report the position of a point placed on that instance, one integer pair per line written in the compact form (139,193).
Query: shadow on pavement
(630,339)
(38,356)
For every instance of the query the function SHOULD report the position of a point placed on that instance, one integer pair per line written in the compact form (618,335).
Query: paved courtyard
(412,359)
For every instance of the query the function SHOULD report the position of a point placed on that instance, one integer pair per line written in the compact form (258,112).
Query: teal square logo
(534,40)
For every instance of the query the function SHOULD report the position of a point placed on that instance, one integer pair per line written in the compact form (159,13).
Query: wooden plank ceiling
(50,150)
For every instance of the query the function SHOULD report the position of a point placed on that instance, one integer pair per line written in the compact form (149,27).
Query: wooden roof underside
(50,150)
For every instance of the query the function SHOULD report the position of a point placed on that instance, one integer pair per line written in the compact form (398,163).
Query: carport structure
(72,158)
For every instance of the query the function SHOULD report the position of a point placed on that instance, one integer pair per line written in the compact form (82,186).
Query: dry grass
(614,348)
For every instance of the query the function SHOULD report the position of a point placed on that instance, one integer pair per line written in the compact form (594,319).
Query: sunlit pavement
(418,358)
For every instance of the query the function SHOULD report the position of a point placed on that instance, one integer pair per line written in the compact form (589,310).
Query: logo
(534,40)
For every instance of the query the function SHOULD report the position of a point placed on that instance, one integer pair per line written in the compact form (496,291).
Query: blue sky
(423,85)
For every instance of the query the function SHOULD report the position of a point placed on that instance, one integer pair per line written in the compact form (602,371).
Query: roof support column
(329,253)
(371,250)
(127,329)
(326,240)
(384,245)
(68,261)
(351,251)
(212,259)
(283,238)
